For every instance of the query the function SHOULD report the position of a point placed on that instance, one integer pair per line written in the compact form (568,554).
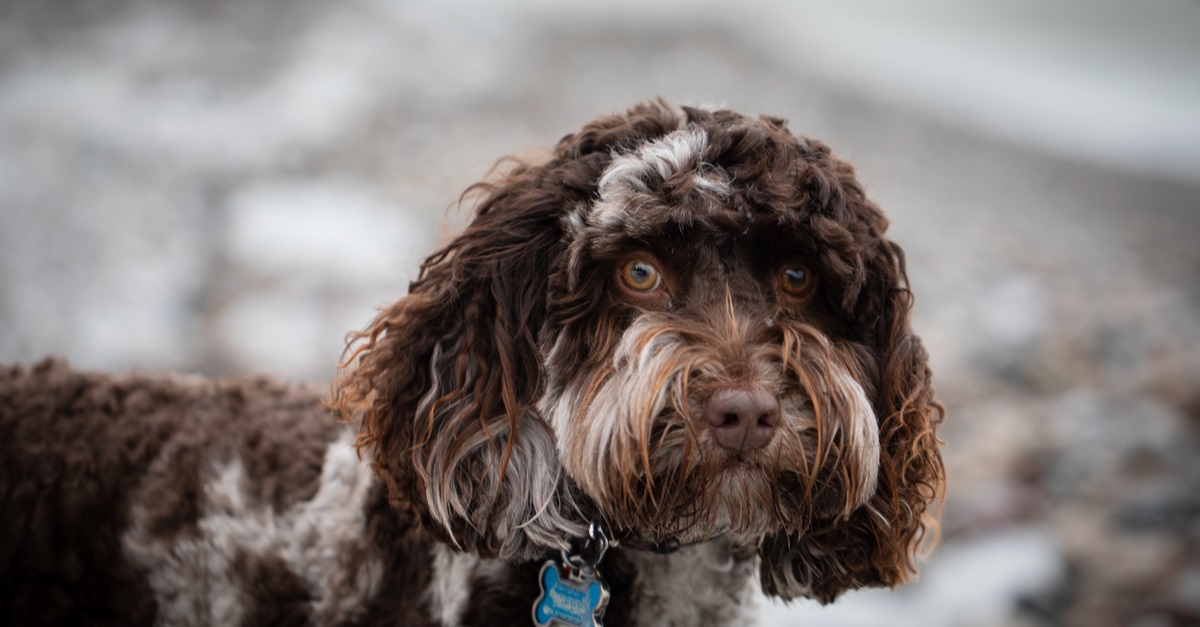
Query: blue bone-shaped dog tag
(569,602)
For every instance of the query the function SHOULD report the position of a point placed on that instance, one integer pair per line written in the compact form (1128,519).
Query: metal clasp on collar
(587,560)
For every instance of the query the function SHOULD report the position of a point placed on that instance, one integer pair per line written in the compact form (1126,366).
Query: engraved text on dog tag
(570,598)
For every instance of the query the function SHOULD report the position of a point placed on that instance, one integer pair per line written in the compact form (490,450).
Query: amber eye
(640,276)
(796,280)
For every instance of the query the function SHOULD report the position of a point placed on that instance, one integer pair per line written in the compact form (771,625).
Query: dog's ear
(442,383)
(877,543)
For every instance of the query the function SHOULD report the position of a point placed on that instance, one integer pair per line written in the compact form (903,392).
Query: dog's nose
(742,418)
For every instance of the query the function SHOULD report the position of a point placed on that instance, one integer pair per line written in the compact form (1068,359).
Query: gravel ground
(225,187)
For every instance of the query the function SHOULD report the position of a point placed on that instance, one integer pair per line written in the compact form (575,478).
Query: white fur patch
(449,590)
(695,586)
(662,158)
(622,406)
(862,432)
(321,540)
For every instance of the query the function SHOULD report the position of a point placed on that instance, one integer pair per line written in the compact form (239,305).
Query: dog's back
(138,499)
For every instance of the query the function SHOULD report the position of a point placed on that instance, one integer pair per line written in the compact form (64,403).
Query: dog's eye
(640,275)
(796,281)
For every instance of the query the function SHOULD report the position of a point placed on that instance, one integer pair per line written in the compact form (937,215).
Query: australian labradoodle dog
(668,366)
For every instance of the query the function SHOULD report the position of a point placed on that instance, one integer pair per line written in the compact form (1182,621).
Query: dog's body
(685,330)
(141,499)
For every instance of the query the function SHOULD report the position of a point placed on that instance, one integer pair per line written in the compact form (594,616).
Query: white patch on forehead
(660,159)
(664,156)
(321,541)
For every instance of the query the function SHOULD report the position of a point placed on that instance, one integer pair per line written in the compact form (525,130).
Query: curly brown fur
(517,393)
(687,326)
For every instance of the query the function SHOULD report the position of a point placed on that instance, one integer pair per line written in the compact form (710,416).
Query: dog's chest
(697,585)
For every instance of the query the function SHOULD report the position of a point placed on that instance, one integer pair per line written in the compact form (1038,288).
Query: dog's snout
(742,418)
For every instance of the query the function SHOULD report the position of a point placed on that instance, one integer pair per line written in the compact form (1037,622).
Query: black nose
(742,418)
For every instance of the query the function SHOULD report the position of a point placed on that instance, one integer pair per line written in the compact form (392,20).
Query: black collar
(666,547)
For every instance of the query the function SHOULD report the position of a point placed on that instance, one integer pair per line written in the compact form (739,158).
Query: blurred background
(229,186)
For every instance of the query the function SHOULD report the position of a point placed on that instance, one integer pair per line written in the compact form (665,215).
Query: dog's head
(685,324)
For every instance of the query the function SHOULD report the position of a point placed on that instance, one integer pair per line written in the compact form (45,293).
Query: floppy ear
(443,382)
(876,545)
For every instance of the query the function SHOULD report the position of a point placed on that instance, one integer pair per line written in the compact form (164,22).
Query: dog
(665,367)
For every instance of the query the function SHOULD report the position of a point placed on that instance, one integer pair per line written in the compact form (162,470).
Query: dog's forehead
(665,174)
(710,177)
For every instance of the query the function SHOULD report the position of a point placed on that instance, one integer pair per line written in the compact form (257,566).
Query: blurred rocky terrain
(225,186)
